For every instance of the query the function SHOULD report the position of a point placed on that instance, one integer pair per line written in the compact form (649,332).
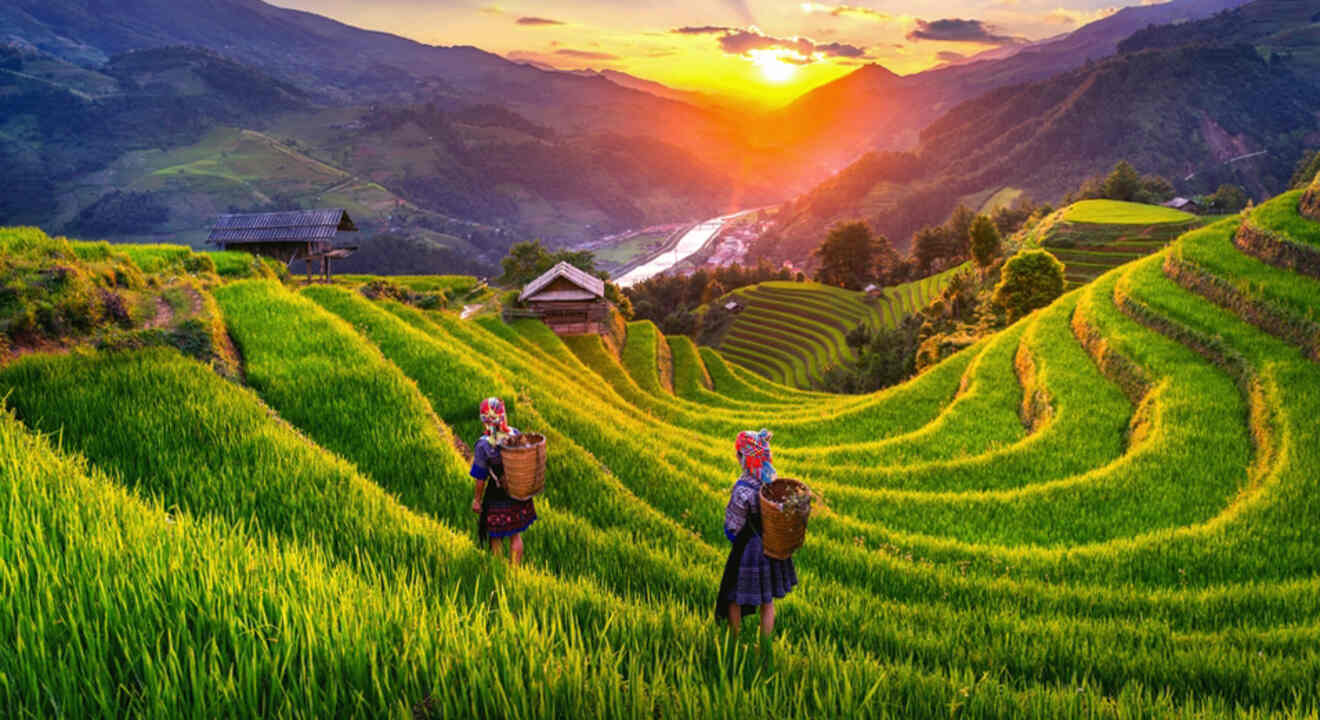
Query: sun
(774,68)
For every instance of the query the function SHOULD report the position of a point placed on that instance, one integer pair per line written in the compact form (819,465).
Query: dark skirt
(502,516)
(750,578)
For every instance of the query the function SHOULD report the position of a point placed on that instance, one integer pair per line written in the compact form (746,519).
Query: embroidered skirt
(502,516)
(751,578)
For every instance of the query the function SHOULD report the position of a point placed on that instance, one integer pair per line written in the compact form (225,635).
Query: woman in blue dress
(499,516)
(751,580)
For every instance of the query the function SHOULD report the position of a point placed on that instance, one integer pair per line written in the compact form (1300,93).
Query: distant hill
(1200,114)
(437,137)
(873,108)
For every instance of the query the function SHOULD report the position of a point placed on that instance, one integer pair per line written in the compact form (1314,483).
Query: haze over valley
(447,154)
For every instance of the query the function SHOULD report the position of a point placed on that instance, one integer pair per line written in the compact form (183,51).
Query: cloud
(846,11)
(799,50)
(950,56)
(960,31)
(585,54)
(841,50)
(702,30)
(537,21)
(1063,16)
(741,42)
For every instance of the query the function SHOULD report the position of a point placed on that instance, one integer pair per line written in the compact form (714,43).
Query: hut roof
(588,282)
(275,227)
(1179,203)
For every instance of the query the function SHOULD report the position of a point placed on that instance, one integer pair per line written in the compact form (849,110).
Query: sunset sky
(766,51)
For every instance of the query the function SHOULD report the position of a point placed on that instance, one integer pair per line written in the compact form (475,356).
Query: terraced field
(1108,510)
(791,333)
(1093,237)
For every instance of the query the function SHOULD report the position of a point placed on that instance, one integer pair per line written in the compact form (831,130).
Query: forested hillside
(430,146)
(1231,107)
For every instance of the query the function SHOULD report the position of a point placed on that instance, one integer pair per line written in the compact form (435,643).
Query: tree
(985,241)
(525,261)
(1155,189)
(714,291)
(1123,183)
(847,256)
(960,230)
(1229,199)
(622,303)
(1308,169)
(928,245)
(1031,279)
(528,260)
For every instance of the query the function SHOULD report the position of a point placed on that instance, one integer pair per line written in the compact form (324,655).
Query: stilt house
(307,235)
(570,301)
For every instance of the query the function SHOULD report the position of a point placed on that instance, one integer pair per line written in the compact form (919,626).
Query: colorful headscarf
(496,420)
(754,454)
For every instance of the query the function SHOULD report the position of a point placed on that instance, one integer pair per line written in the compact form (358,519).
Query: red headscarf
(754,454)
(494,417)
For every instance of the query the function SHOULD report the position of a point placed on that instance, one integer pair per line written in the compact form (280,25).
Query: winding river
(690,244)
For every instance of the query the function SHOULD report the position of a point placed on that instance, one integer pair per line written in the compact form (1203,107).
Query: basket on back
(524,465)
(783,529)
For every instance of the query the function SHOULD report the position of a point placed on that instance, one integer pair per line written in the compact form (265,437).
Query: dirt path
(164,315)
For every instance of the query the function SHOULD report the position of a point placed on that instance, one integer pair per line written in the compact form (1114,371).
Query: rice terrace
(318,400)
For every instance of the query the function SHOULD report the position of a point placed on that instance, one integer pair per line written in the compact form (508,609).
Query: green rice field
(1093,237)
(1107,510)
(791,333)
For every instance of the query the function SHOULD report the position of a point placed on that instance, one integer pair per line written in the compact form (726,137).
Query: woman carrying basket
(500,516)
(750,578)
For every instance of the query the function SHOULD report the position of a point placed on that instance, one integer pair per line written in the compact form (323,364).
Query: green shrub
(1031,279)
(195,263)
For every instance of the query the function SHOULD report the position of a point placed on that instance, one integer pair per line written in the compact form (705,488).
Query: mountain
(55,132)
(357,66)
(204,107)
(1225,106)
(696,99)
(871,108)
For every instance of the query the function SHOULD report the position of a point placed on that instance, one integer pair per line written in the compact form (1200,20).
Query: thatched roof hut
(287,236)
(570,301)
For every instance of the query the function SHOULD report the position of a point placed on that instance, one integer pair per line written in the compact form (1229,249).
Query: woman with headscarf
(750,578)
(500,516)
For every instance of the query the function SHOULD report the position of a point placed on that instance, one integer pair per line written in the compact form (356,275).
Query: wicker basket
(782,533)
(524,465)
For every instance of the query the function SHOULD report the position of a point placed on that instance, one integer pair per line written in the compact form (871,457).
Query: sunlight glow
(774,68)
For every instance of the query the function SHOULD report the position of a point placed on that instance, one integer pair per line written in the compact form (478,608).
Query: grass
(1004,197)
(1116,212)
(1093,237)
(1280,215)
(1105,510)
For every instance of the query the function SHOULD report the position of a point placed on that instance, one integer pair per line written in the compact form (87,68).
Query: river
(690,244)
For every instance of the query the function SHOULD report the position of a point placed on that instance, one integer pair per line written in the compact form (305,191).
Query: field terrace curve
(1106,510)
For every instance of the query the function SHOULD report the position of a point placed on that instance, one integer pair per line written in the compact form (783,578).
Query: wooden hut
(307,235)
(1185,205)
(570,301)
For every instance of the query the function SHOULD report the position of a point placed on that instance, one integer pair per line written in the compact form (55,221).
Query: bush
(197,263)
(116,310)
(1032,279)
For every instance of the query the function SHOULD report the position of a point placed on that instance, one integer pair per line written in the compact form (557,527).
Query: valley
(964,359)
